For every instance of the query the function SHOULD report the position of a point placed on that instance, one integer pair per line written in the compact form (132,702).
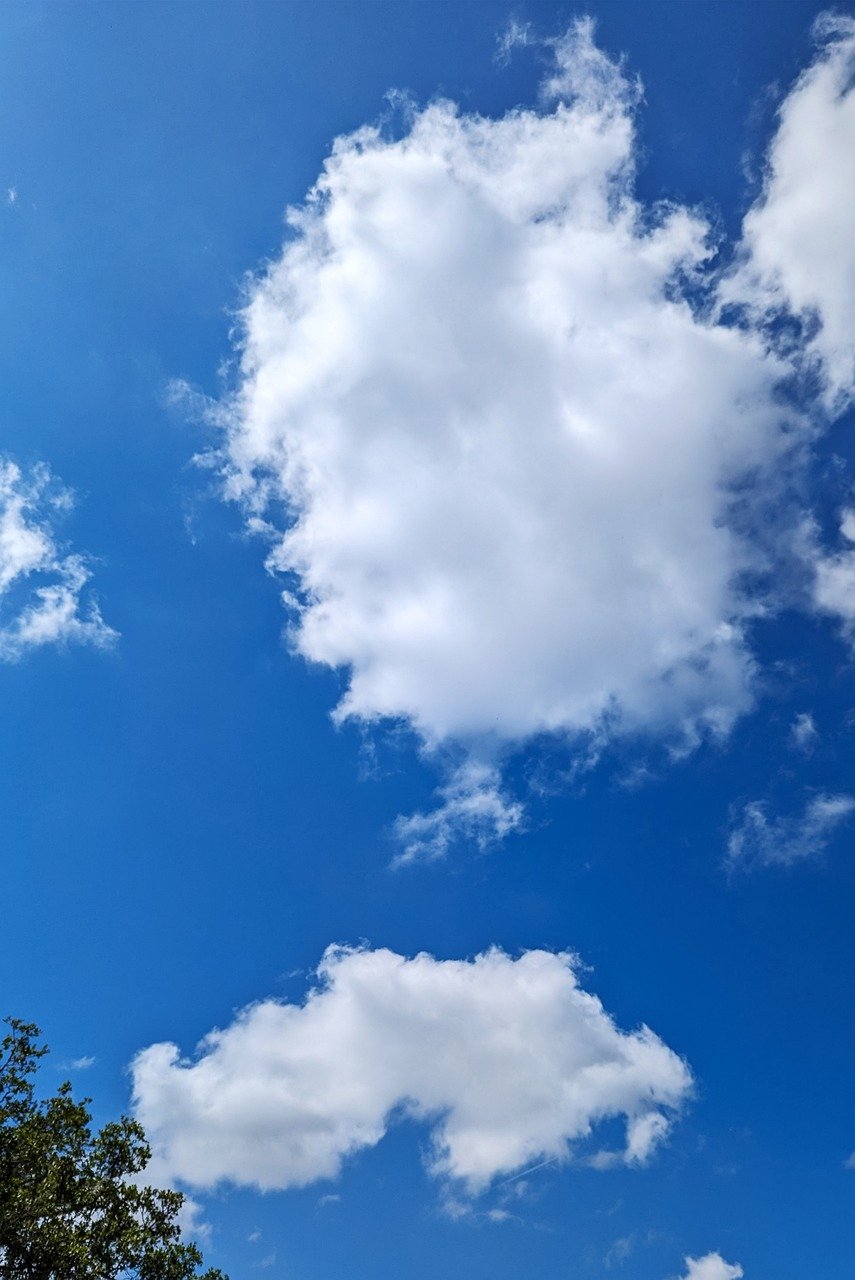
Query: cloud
(798,251)
(42,586)
(516,35)
(711,1267)
(507,1061)
(620,1250)
(783,841)
(803,732)
(82,1064)
(507,452)
(472,806)
(834,583)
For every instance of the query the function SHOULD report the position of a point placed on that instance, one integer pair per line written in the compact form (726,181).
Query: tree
(70,1208)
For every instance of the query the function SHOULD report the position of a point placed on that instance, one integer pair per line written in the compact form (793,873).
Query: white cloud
(472,806)
(803,732)
(622,1248)
(503,438)
(42,586)
(764,841)
(516,35)
(711,1267)
(506,1060)
(834,584)
(798,252)
(82,1064)
(497,425)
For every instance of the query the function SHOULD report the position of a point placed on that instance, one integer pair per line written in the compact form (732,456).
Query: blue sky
(570,496)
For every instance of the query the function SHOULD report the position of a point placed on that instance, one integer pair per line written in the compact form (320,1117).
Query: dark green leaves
(70,1208)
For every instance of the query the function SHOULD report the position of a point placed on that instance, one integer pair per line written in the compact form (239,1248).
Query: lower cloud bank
(507,1061)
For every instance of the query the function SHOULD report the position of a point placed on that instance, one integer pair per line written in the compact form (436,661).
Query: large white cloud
(504,438)
(493,416)
(42,586)
(798,252)
(509,1061)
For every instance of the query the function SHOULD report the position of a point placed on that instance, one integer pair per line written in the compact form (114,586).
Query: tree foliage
(71,1205)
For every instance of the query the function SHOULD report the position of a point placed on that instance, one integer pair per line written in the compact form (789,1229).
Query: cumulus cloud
(497,425)
(503,443)
(712,1267)
(798,251)
(506,1060)
(42,586)
(761,840)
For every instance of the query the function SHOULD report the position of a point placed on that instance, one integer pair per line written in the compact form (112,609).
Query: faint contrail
(534,1168)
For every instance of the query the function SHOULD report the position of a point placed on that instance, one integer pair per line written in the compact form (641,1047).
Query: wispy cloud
(620,1250)
(761,839)
(516,35)
(44,595)
(473,806)
(804,734)
(834,583)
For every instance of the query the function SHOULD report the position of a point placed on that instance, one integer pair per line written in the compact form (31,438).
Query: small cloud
(834,584)
(766,841)
(499,1215)
(849,1163)
(712,1266)
(44,590)
(331,1198)
(269,1260)
(253,1237)
(11,195)
(620,1251)
(82,1064)
(456,1209)
(516,35)
(473,807)
(803,733)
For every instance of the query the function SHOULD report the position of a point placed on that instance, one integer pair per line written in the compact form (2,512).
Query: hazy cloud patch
(763,839)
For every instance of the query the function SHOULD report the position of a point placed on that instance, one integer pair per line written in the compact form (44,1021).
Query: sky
(427,607)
